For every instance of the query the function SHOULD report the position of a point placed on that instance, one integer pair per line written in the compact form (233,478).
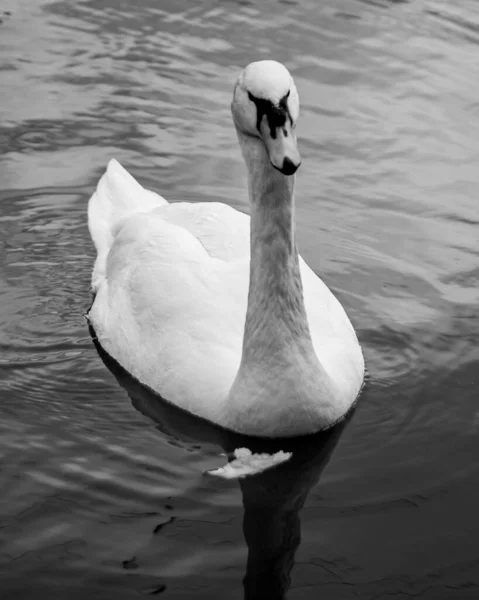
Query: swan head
(266,106)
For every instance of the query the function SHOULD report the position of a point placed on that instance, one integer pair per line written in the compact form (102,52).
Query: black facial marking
(284,105)
(275,115)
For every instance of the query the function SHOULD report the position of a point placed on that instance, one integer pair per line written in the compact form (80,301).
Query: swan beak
(281,146)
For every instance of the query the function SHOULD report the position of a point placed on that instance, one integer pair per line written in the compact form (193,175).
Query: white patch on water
(248,463)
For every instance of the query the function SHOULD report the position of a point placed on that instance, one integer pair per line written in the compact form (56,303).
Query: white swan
(258,345)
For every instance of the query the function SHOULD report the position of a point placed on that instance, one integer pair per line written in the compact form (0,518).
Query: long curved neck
(280,377)
(276,309)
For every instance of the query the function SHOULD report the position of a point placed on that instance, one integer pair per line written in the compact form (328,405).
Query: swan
(214,310)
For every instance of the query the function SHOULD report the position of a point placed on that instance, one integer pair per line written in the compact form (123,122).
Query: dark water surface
(95,502)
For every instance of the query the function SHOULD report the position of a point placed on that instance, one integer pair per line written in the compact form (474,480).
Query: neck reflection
(272,503)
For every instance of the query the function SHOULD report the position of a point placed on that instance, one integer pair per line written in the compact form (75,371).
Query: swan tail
(117,197)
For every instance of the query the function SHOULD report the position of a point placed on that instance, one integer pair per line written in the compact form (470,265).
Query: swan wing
(222,230)
(171,314)
(117,197)
(171,284)
(334,339)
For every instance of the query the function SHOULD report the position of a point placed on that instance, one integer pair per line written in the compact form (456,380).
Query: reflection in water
(272,499)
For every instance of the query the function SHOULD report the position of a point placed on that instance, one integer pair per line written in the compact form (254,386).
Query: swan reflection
(272,499)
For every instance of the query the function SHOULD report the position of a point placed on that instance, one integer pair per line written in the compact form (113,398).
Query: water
(95,500)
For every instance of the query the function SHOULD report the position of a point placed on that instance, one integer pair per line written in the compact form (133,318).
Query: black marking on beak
(276,115)
(288,167)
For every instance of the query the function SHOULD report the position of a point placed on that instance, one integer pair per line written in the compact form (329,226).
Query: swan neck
(272,209)
(275,290)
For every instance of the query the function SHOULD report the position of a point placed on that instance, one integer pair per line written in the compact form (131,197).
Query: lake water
(95,501)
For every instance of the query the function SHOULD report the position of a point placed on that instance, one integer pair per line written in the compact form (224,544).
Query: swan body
(216,311)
